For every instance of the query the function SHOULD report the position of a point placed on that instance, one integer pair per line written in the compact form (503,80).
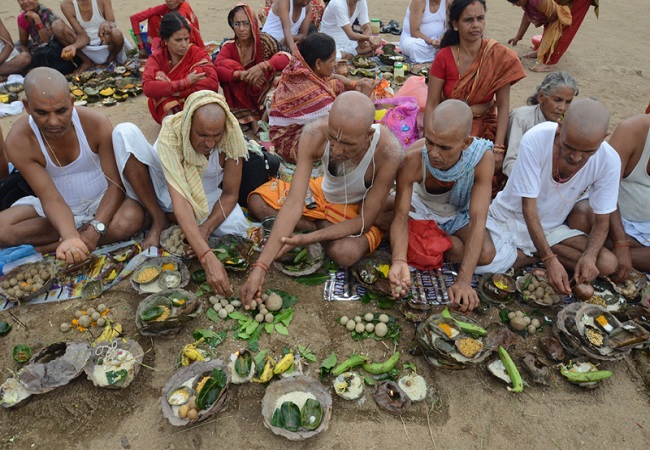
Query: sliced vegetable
(22,353)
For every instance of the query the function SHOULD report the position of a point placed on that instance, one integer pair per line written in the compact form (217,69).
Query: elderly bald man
(558,164)
(446,177)
(360,161)
(66,156)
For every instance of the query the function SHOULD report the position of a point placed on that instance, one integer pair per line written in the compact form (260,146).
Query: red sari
(245,101)
(167,95)
(494,67)
(154,15)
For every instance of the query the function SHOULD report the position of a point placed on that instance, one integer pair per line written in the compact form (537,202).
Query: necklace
(458,61)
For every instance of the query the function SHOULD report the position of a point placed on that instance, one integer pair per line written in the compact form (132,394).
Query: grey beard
(342,169)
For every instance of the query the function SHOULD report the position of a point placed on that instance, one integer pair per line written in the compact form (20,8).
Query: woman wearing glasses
(246,66)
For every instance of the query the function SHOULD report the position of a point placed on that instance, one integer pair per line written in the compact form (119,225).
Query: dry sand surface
(466,410)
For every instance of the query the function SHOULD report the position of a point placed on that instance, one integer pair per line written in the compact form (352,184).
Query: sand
(466,410)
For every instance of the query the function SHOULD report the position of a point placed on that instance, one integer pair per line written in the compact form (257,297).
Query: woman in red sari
(246,66)
(154,15)
(477,71)
(177,69)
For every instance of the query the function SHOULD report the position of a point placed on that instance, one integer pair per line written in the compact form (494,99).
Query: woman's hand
(162,76)
(195,77)
(514,40)
(216,275)
(366,86)
(33,17)
(254,76)
(435,43)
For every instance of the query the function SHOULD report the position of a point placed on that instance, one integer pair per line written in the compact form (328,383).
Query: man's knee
(344,254)
(257,206)
(607,262)
(488,253)
(130,219)
(581,217)
(63,32)
(117,38)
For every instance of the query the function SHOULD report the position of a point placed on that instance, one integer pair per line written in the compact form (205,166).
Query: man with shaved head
(446,177)
(340,209)
(66,156)
(557,165)
(191,176)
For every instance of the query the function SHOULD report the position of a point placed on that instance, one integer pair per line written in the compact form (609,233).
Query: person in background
(561,23)
(424,25)
(95,30)
(176,69)
(306,91)
(288,21)
(246,66)
(476,70)
(553,97)
(12,60)
(154,16)
(317,10)
(337,22)
(4,162)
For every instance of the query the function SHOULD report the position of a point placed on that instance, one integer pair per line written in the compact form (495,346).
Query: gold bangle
(546,258)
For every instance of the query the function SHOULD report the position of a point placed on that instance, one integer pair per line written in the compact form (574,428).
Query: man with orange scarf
(561,23)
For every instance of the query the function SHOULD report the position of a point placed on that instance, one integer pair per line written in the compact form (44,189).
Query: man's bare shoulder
(313,134)
(389,147)
(94,121)
(21,139)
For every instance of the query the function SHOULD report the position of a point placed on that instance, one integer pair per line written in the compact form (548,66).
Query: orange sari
(496,66)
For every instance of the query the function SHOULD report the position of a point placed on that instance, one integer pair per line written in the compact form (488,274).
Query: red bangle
(204,253)
(620,244)
(261,265)
(40,26)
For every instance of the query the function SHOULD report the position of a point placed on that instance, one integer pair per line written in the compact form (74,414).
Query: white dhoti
(510,236)
(422,212)
(98,53)
(129,141)
(83,212)
(417,50)
(638,230)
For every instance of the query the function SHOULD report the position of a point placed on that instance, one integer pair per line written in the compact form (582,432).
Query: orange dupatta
(552,31)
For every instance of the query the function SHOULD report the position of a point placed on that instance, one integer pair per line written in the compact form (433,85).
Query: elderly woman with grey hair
(552,99)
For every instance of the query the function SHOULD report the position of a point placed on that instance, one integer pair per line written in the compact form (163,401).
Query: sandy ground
(467,409)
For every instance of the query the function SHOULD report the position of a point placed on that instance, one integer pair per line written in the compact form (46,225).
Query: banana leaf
(311,414)
(5,328)
(244,363)
(287,416)
(211,389)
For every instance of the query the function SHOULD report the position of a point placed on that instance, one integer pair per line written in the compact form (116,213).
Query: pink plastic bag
(401,118)
(415,86)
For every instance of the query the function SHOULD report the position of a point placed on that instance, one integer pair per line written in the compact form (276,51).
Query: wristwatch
(99,227)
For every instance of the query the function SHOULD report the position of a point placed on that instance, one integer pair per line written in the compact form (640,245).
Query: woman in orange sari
(246,66)
(177,69)
(477,71)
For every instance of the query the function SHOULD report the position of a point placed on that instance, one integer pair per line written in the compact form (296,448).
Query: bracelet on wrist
(40,25)
(261,265)
(399,260)
(499,149)
(203,254)
(619,244)
(546,258)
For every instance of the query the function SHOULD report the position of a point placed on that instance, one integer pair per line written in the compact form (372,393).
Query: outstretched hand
(72,250)
(252,288)
(462,296)
(513,41)
(399,276)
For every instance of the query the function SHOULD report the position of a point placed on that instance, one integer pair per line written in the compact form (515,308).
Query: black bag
(13,188)
(259,169)
(49,55)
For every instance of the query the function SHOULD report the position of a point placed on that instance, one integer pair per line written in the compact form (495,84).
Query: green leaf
(268,327)
(238,316)
(281,329)
(366,298)
(327,365)
(259,361)
(330,266)
(212,315)
(284,317)
(253,347)
(243,364)
(114,377)
(306,353)
(5,327)
(311,414)
(503,315)
(288,300)
(288,417)
(313,279)
(368,380)
(255,335)
(251,327)
(210,337)
(385,302)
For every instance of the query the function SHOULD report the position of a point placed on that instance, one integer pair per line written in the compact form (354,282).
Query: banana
(110,332)
(345,366)
(191,354)
(386,366)
(513,372)
(284,364)
(267,373)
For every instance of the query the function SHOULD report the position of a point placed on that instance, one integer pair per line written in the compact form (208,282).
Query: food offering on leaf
(297,407)
(159,274)
(115,363)
(349,385)
(391,398)
(632,287)
(497,288)
(27,281)
(195,392)
(301,260)
(372,273)
(389,55)
(520,321)
(224,306)
(166,312)
(13,394)
(234,252)
(242,366)
(372,325)
(88,318)
(584,374)
(591,331)
(606,295)
(453,341)
(534,287)
(414,386)
(173,241)
(363,62)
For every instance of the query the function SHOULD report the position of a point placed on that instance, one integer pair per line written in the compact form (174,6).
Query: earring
(455,29)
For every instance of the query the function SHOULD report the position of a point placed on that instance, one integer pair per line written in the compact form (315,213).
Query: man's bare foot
(531,55)
(84,66)
(541,68)
(153,236)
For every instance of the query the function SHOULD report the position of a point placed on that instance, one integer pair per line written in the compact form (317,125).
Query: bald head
(210,112)
(353,108)
(46,83)
(452,116)
(587,119)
